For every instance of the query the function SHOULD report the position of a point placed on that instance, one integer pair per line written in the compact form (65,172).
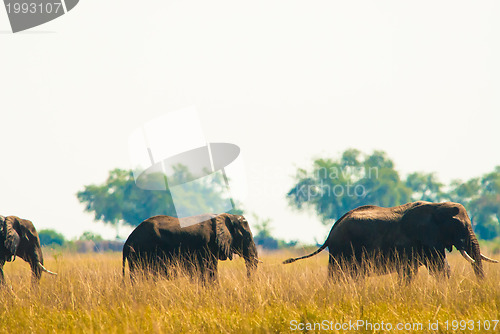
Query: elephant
(159,243)
(372,239)
(18,237)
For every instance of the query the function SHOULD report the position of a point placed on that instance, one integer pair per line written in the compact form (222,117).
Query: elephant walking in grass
(159,244)
(402,238)
(18,237)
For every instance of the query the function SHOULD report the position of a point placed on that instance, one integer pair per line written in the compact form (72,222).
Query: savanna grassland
(89,295)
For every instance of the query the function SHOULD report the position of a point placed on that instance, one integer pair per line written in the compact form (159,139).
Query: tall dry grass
(89,295)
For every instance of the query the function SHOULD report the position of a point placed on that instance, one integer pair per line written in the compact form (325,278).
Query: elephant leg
(190,265)
(439,268)
(415,264)
(437,264)
(212,268)
(407,272)
(447,269)
(157,267)
(133,261)
(170,268)
(146,265)
(353,265)
(201,265)
(332,263)
(339,269)
(406,267)
(163,266)
(141,263)
(149,264)
(138,268)
(159,264)
(174,268)
(404,276)
(357,270)
(132,268)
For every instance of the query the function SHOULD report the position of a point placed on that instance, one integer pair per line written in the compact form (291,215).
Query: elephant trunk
(36,262)
(251,257)
(35,259)
(473,250)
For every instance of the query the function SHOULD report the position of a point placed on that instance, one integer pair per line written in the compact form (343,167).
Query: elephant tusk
(466,256)
(45,269)
(260,261)
(485,258)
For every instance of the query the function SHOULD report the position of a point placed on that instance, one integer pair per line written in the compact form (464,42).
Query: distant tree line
(332,187)
(119,200)
(329,187)
(263,235)
(87,242)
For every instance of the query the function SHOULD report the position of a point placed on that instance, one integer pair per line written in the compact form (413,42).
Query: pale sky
(286,81)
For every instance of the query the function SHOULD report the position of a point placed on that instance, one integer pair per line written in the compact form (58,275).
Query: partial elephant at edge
(19,238)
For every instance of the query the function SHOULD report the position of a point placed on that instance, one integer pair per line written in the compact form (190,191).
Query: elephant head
(20,238)
(445,225)
(233,236)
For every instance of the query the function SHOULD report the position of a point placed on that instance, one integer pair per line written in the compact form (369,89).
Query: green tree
(481,197)
(119,199)
(90,236)
(333,187)
(263,235)
(262,227)
(49,237)
(464,192)
(425,187)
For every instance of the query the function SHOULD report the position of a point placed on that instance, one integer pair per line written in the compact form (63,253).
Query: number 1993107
(34,8)
(488,325)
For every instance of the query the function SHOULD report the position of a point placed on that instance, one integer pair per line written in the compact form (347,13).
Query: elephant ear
(12,238)
(423,226)
(223,236)
(444,214)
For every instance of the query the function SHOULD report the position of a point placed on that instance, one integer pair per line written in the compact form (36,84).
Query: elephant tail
(337,223)
(126,251)
(305,256)
(124,260)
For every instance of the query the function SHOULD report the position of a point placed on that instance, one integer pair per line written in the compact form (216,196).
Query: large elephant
(18,237)
(159,243)
(401,238)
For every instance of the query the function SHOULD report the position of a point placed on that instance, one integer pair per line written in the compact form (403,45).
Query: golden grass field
(89,295)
